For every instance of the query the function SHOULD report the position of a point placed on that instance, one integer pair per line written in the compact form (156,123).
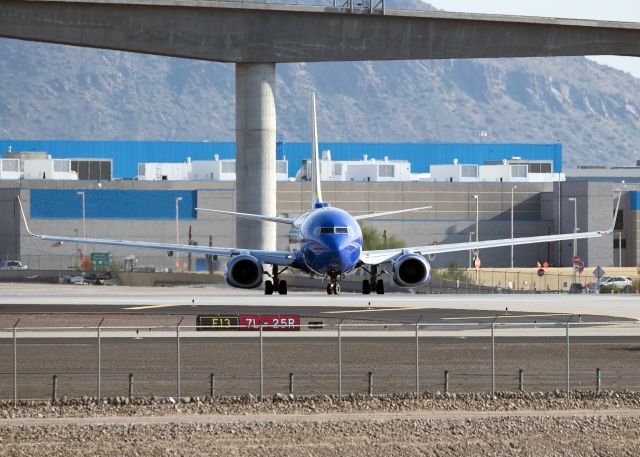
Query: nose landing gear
(373,284)
(333,288)
(276,284)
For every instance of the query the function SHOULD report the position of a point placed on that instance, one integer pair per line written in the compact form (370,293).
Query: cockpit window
(341,230)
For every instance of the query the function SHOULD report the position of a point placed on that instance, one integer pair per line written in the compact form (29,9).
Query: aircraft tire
(366,287)
(380,287)
(282,288)
(336,289)
(268,288)
(329,289)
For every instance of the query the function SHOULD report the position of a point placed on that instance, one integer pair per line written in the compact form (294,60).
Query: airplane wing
(388,213)
(380,256)
(281,258)
(257,217)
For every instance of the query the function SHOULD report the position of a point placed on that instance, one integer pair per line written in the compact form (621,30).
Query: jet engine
(411,270)
(244,272)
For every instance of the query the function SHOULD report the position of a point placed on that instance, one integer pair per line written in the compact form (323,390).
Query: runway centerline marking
(504,316)
(372,310)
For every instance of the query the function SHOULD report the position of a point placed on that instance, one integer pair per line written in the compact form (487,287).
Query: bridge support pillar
(255,153)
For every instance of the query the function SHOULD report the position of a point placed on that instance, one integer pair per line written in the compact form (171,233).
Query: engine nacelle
(244,272)
(411,270)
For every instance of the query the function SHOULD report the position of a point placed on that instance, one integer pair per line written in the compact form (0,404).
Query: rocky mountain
(61,92)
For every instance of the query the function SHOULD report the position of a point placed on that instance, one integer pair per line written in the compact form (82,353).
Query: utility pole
(84,223)
(512,208)
(178,200)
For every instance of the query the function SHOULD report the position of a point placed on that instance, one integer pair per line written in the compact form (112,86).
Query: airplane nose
(342,253)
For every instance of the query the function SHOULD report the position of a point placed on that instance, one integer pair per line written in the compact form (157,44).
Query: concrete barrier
(142,279)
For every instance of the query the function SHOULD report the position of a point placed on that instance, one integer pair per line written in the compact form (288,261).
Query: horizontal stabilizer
(389,213)
(257,217)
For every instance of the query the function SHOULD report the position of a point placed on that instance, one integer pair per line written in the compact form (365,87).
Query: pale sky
(610,10)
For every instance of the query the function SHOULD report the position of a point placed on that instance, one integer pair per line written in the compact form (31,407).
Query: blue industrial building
(634,200)
(127,154)
(112,204)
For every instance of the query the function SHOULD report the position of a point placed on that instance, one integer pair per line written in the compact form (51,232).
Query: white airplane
(325,241)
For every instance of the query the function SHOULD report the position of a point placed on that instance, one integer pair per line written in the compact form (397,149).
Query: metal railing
(103,361)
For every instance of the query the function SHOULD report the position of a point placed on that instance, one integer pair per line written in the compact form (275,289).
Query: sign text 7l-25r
(270,323)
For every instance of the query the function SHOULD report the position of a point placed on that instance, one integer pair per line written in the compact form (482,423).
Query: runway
(408,308)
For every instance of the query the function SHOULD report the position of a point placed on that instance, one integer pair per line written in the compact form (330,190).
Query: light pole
(575,224)
(477,198)
(178,200)
(477,235)
(512,208)
(84,222)
(471,250)
(75,231)
(575,230)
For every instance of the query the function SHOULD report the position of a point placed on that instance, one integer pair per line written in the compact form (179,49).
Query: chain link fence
(179,360)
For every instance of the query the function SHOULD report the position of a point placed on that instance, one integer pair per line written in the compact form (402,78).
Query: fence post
(15,363)
(370,389)
(178,360)
(568,360)
(99,389)
(261,366)
(598,380)
(212,385)
(130,386)
(446,382)
(493,357)
(290,383)
(417,361)
(54,394)
(340,361)
(521,380)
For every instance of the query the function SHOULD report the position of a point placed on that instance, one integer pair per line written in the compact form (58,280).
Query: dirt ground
(611,432)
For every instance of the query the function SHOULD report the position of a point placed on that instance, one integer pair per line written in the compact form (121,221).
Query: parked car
(620,282)
(89,278)
(13,265)
(76,279)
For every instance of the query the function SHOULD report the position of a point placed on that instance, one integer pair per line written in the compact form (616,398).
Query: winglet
(615,215)
(24,218)
(316,191)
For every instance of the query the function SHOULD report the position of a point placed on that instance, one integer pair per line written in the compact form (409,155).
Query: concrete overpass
(257,36)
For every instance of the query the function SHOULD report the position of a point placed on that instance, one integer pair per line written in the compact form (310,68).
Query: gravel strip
(526,436)
(529,424)
(282,404)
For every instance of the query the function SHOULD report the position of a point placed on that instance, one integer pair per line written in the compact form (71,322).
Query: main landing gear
(333,288)
(373,284)
(276,284)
